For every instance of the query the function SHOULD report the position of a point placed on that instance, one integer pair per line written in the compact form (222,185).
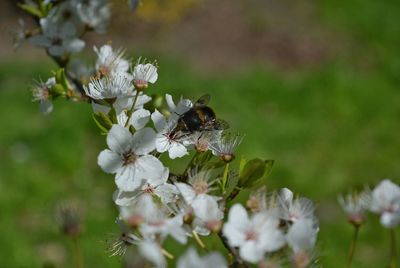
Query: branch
(237,260)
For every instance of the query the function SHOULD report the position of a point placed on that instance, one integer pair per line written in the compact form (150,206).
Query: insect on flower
(198,118)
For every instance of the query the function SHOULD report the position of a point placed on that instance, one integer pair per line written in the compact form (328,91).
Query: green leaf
(202,158)
(254,171)
(102,121)
(31,10)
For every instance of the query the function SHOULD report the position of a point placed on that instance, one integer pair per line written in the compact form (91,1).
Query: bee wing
(220,124)
(203,100)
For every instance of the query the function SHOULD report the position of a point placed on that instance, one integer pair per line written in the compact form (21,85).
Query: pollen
(129,158)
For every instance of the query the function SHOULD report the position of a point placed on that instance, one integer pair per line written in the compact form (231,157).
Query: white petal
(238,217)
(149,168)
(152,252)
(128,179)
(74,45)
(144,141)
(119,139)
(56,50)
(177,150)
(235,238)
(100,108)
(122,198)
(46,107)
(166,192)
(162,143)
(158,120)
(186,191)
(109,161)
(156,181)
(40,41)
(390,220)
(251,252)
(302,235)
(140,118)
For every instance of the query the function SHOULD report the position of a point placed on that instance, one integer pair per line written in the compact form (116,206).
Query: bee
(199,118)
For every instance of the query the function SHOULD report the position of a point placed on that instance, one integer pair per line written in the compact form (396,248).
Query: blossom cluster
(143,136)
(383,200)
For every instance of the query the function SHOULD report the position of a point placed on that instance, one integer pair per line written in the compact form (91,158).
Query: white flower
(58,39)
(355,206)
(165,141)
(108,87)
(254,236)
(200,183)
(159,224)
(111,63)
(157,187)
(386,202)
(208,215)
(192,260)
(144,74)
(293,209)
(41,93)
(128,157)
(95,14)
(225,146)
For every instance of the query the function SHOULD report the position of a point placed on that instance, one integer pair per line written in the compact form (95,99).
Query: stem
(190,163)
(393,253)
(225,177)
(77,252)
(237,260)
(352,246)
(130,112)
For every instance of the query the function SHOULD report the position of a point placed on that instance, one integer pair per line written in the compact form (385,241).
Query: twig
(237,260)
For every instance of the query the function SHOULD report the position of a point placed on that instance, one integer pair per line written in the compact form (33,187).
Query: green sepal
(35,11)
(61,78)
(102,121)
(112,114)
(57,90)
(254,172)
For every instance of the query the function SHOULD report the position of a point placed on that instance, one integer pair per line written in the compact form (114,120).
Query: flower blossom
(355,206)
(128,157)
(41,93)
(254,236)
(143,74)
(58,39)
(386,202)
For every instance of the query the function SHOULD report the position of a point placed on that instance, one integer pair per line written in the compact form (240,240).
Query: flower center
(129,158)
(251,235)
(56,41)
(200,187)
(149,189)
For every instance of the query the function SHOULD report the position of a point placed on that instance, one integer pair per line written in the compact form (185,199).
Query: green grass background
(328,129)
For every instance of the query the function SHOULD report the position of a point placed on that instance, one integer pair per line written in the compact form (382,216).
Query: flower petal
(119,139)
(128,178)
(159,120)
(140,118)
(109,161)
(144,141)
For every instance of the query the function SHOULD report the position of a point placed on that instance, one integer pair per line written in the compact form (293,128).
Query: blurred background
(314,85)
